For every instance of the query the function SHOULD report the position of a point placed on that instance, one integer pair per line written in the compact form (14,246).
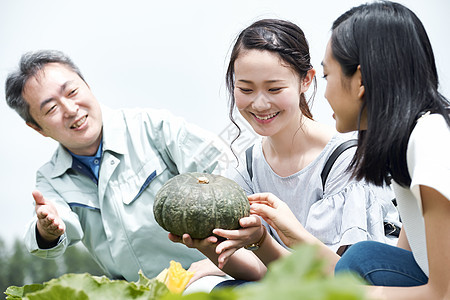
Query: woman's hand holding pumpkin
(278,215)
(251,232)
(203,245)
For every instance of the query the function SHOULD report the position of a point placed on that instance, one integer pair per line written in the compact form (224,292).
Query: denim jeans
(382,264)
(232,283)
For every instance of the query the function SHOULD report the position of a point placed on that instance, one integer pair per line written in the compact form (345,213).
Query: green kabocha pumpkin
(196,203)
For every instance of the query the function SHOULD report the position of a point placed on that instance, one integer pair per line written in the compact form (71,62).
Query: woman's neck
(292,150)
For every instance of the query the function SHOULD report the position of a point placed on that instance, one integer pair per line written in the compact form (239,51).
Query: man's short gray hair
(30,63)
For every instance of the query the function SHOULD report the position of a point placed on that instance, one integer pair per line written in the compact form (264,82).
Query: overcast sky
(163,54)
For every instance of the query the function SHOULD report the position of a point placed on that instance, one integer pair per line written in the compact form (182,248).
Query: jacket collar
(114,140)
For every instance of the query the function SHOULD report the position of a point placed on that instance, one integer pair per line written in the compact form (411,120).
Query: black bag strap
(249,160)
(326,169)
(338,151)
(389,228)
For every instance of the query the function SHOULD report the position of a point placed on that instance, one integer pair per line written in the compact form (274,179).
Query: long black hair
(398,70)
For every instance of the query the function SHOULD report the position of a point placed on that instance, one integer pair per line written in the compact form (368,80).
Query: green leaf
(302,274)
(15,292)
(143,280)
(302,264)
(57,292)
(85,286)
(222,294)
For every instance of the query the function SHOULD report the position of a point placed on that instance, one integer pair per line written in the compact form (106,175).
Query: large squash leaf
(85,286)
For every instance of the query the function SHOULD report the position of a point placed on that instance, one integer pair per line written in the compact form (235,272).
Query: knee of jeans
(343,265)
(354,258)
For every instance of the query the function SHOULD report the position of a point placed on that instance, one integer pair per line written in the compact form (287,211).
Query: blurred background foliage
(18,267)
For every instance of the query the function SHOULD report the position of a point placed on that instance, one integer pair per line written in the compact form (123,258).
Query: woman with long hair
(382,81)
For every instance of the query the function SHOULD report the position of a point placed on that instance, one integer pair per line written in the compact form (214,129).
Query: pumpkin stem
(203,180)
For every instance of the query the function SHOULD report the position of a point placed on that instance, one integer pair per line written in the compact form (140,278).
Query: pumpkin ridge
(158,210)
(187,203)
(183,220)
(214,209)
(242,203)
(165,211)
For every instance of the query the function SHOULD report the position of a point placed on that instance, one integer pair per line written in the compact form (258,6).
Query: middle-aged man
(100,184)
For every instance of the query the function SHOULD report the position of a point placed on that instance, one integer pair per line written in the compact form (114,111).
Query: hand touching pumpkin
(251,232)
(278,215)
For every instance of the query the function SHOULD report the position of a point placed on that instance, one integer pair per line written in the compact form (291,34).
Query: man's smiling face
(65,108)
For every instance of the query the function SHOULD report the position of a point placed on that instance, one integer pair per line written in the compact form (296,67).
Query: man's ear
(307,80)
(37,128)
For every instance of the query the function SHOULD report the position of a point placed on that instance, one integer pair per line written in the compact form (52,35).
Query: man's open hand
(49,224)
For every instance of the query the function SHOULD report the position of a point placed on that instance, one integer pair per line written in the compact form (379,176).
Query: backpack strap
(389,228)
(338,151)
(327,168)
(249,160)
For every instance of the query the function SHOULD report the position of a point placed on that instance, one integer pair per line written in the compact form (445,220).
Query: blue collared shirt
(88,165)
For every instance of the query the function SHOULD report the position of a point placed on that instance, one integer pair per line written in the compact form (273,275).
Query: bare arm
(251,232)
(403,240)
(203,268)
(436,212)
(278,215)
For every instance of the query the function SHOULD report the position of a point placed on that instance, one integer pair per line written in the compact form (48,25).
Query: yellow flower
(175,278)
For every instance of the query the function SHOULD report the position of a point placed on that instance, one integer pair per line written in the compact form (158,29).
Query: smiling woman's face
(343,93)
(267,92)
